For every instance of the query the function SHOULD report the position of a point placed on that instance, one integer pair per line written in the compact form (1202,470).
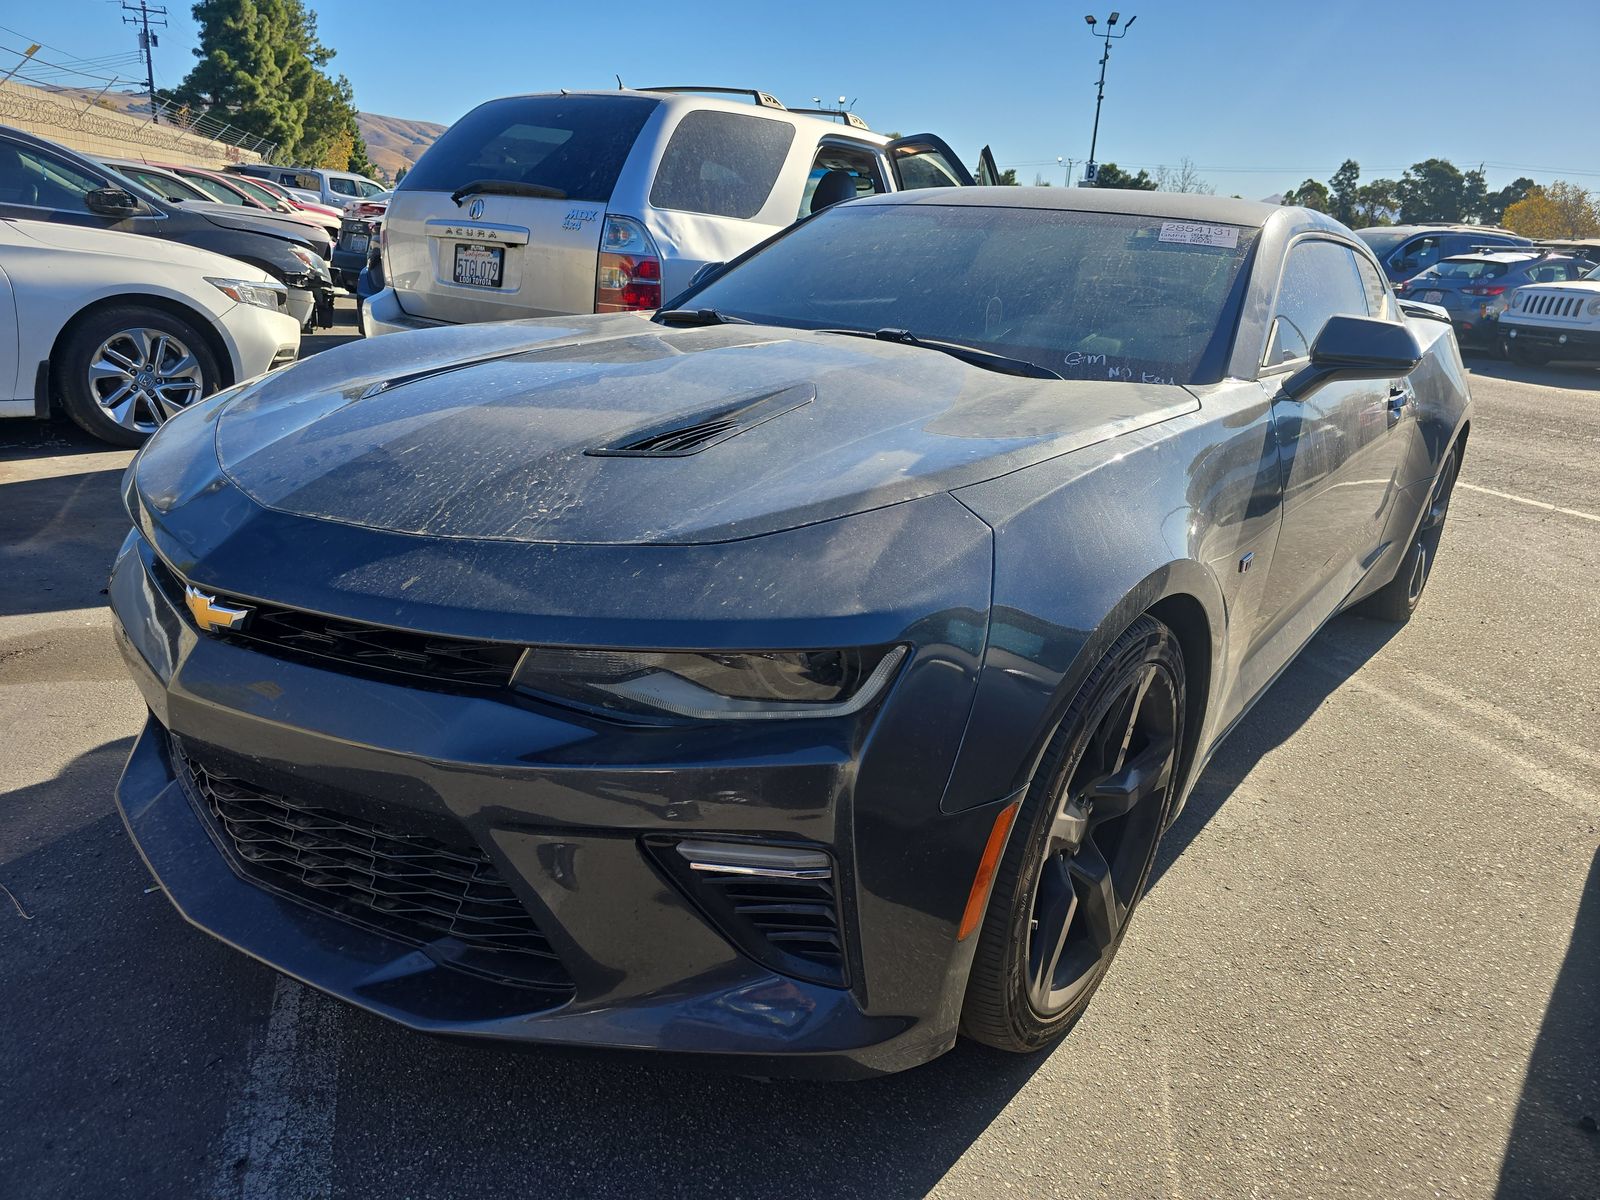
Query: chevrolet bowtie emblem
(210,613)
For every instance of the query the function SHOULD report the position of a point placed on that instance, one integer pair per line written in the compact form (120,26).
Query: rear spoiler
(1429,312)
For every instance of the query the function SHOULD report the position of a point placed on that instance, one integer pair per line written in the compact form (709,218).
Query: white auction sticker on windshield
(1192,233)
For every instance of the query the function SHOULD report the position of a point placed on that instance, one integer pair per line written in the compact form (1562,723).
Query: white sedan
(124,330)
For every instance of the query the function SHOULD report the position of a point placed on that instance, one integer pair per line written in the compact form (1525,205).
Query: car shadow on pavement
(1554,1148)
(1335,654)
(58,535)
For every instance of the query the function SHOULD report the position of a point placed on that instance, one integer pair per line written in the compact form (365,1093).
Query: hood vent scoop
(690,433)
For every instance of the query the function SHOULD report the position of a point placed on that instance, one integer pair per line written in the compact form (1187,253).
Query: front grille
(450,901)
(367,649)
(1554,304)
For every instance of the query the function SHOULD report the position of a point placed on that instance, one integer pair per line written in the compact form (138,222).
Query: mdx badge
(210,613)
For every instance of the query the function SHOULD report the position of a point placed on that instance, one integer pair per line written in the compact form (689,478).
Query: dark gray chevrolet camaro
(805,674)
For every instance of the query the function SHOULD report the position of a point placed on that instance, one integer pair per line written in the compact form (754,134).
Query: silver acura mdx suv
(562,203)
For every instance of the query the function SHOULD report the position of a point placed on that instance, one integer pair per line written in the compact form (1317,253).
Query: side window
(308,183)
(370,189)
(924,167)
(1421,252)
(1373,285)
(860,163)
(345,187)
(41,181)
(1319,281)
(721,164)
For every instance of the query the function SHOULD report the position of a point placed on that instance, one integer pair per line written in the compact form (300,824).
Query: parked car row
(134,288)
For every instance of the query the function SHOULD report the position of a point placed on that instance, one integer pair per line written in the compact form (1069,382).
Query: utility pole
(144,14)
(1091,169)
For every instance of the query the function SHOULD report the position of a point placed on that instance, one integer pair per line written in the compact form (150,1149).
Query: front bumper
(568,812)
(261,340)
(1578,345)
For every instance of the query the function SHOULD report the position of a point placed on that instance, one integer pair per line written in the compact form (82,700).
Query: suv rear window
(575,144)
(721,163)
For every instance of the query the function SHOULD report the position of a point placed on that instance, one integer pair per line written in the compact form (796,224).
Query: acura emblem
(210,613)
(476,210)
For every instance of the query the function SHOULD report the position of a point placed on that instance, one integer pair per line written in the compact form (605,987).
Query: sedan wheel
(122,373)
(1085,841)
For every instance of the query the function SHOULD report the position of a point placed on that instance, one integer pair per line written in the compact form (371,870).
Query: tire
(1398,598)
(1526,356)
(120,373)
(1094,815)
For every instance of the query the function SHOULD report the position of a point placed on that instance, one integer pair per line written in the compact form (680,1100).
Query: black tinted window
(1086,295)
(575,144)
(1319,281)
(42,180)
(721,163)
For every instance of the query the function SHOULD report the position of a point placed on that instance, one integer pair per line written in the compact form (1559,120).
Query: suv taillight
(629,276)
(1486,290)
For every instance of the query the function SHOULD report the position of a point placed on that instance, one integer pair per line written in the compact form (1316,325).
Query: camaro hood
(614,430)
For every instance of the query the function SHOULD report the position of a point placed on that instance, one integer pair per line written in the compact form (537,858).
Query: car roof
(1503,256)
(1176,205)
(690,99)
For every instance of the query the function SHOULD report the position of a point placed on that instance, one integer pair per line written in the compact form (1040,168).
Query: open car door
(924,160)
(988,173)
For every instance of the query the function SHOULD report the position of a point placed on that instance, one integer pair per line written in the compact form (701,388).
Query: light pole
(1066,165)
(1092,168)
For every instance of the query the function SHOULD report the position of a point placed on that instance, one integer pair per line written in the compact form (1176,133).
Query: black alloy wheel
(1082,846)
(1398,598)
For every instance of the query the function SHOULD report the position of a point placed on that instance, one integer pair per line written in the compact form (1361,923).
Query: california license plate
(1432,297)
(356,244)
(479,266)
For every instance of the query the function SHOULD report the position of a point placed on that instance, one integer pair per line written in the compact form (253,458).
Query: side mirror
(112,202)
(706,274)
(1355,348)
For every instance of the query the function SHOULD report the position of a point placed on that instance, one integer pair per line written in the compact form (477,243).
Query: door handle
(1399,396)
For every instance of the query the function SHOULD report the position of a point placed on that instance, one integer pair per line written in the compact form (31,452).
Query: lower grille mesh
(451,901)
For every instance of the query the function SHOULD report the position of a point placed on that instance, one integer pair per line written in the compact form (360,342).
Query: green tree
(261,70)
(1344,194)
(1312,194)
(1376,203)
(1433,190)
(1495,204)
(1112,176)
(1008,177)
(402,172)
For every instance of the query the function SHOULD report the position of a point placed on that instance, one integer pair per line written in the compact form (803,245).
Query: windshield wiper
(986,359)
(505,187)
(698,316)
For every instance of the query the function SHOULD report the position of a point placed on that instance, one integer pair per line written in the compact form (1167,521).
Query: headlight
(1594,308)
(712,685)
(305,256)
(271,296)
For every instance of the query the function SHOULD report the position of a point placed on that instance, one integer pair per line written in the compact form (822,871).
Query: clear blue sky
(1258,94)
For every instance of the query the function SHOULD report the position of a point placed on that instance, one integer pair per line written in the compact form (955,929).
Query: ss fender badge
(210,613)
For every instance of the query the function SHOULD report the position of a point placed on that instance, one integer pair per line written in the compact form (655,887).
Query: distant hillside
(393,142)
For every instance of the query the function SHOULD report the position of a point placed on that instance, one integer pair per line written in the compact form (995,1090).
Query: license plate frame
(471,263)
(356,243)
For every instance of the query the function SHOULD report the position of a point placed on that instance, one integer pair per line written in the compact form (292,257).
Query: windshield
(1470,268)
(251,187)
(1085,295)
(217,191)
(1381,240)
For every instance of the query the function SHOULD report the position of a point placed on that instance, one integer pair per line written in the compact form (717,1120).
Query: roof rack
(849,118)
(765,99)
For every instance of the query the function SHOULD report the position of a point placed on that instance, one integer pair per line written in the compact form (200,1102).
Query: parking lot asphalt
(1369,963)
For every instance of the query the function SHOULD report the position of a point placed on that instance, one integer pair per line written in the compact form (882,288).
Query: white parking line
(279,1138)
(1566,512)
